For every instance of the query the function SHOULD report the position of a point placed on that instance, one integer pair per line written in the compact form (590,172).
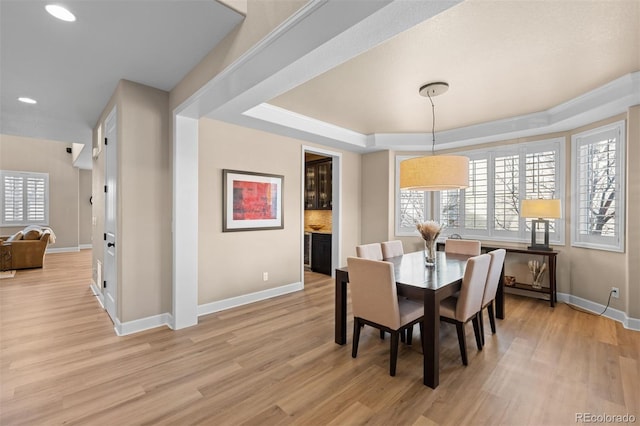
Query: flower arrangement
(537,271)
(429,230)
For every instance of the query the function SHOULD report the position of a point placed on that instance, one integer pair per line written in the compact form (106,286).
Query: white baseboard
(62,250)
(85,246)
(97,293)
(142,324)
(221,305)
(596,308)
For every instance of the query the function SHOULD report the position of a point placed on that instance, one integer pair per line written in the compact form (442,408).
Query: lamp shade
(549,209)
(435,173)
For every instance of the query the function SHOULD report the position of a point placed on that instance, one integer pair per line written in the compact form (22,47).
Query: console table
(551,261)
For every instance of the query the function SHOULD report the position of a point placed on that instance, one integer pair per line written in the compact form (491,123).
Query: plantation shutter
(24,198)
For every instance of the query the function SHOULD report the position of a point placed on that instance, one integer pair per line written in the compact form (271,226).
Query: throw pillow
(32,234)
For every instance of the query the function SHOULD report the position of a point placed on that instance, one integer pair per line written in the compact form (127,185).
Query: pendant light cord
(433,124)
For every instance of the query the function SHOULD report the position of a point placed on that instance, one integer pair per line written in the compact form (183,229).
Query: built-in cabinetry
(321,253)
(317,186)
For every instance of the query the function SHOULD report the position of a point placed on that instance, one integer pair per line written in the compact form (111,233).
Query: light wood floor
(275,362)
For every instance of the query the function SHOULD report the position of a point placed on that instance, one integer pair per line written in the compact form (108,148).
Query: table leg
(341,307)
(552,281)
(431,340)
(499,301)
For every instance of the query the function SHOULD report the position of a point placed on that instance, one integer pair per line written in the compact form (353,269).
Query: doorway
(320,207)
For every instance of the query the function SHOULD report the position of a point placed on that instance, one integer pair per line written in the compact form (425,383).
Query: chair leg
(393,359)
(476,330)
(356,337)
(402,336)
(409,332)
(492,318)
(462,342)
(382,334)
(481,318)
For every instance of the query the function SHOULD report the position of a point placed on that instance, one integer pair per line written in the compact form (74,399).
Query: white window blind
(499,179)
(541,181)
(24,198)
(598,187)
(506,201)
(450,202)
(475,197)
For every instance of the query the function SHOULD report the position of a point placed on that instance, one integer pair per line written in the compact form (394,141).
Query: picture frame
(252,201)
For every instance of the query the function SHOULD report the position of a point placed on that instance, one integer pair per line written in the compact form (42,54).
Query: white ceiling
(501,58)
(339,73)
(72,69)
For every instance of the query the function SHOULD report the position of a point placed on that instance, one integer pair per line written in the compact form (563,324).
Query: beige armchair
(374,302)
(392,249)
(458,246)
(468,304)
(23,250)
(371,251)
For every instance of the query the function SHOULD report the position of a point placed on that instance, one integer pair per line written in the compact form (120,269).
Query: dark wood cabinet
(317,186)
(321,253)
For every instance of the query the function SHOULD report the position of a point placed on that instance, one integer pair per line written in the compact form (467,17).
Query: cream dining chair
(458,246)
(371,251)
(374,302)
(466,306)
(491,287)
(392,249)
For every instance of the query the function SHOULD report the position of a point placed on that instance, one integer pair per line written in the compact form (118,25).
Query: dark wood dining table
(417,281)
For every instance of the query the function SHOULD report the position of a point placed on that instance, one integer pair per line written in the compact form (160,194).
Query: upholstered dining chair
(458,246)
(491,287)
(374,302)
(392,249)
(466,306)
(371,251)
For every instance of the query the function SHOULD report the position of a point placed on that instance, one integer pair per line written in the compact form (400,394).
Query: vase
(537,281)
(430,252)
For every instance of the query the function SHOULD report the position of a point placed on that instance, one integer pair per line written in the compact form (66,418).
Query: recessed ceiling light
(27,100)
(60,12)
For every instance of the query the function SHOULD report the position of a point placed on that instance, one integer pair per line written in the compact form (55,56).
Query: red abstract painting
(254,200)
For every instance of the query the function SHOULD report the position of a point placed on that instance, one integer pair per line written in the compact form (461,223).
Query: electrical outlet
(615,292)
(265,276)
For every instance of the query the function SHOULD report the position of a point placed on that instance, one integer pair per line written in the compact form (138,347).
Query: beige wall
(584,273)
(377,197)
(232,263)
(84,213)
(144,200)
(46,156)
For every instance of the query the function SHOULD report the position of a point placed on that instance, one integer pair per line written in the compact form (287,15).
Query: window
(411,206)
(499,179)
(24,198)
(598,188)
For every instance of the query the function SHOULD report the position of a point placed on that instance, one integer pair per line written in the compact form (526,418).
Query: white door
(110,283)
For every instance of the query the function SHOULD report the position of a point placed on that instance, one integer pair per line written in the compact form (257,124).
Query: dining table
(416,280)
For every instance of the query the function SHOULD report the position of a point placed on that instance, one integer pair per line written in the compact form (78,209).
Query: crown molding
(611,99)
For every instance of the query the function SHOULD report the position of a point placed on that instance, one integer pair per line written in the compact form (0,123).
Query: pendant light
(435,172)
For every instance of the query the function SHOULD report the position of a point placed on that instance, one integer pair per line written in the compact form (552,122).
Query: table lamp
(540,210)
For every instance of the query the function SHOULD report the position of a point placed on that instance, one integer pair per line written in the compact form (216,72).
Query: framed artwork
(251,201)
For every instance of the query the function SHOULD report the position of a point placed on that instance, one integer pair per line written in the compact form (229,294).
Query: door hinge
(105,188)
(105,141)
(104,284)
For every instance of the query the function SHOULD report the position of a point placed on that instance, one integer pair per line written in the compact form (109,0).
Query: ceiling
(72,69)
(338,73)
(501,59)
